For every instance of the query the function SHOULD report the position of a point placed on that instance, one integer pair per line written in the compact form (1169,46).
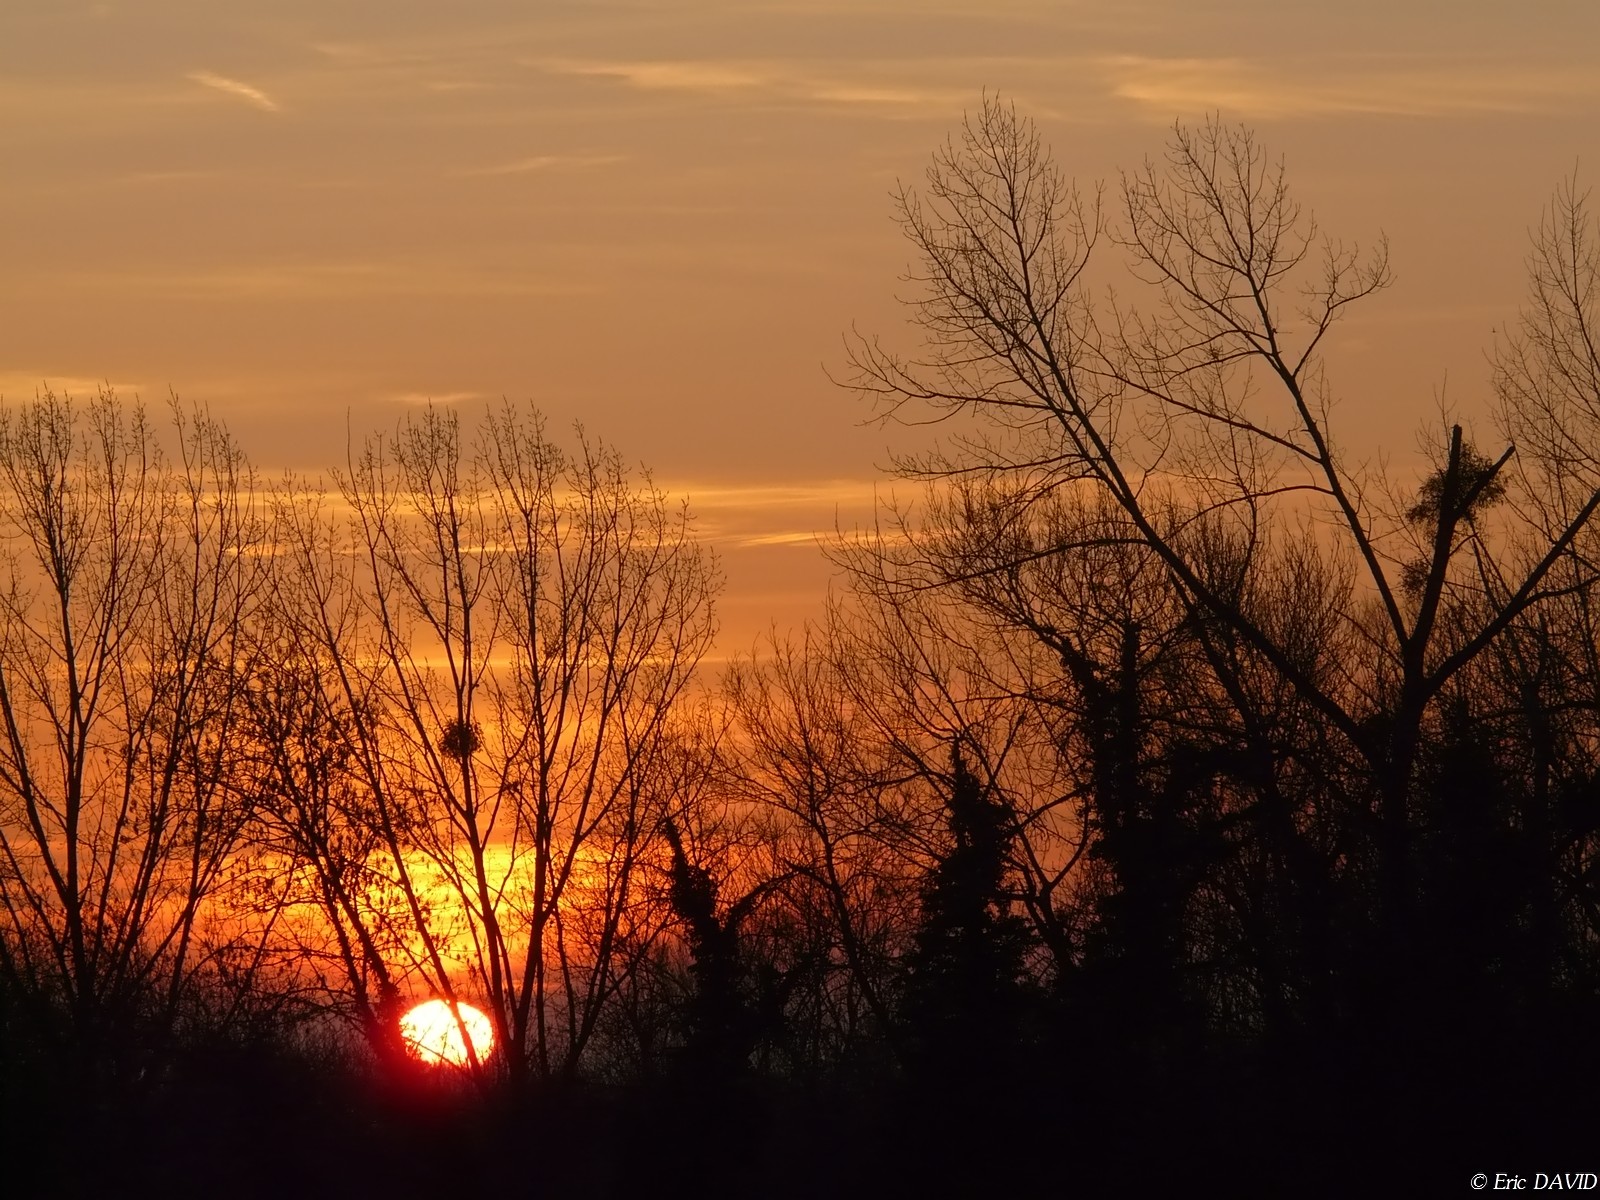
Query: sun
(433,1035)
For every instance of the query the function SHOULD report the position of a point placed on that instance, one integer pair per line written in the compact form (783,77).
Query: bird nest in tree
(460,739)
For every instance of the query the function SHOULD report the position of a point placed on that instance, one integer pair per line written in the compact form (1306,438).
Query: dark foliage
(965,1005)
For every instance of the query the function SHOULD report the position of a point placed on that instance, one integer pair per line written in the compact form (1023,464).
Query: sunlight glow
(433,1035)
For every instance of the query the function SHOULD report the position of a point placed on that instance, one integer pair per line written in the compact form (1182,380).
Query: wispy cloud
(798,537)
(774,495)
(233,87)
(543,162)
(18,385)
(672,76)
(1245,88)
(758,516)
(849,93)
(418,399)
(181,175)
(335,280)
(346,51)
(780,81)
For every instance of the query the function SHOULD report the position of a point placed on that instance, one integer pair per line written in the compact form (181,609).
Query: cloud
(800,514)
(774,495)
(543,162)
(345,51)
(173,176)
(18,385)
(673,76)
(784,82)
(233,87)
(1245,88)
(845,93)
(418,399)
(338,280)
(799,537)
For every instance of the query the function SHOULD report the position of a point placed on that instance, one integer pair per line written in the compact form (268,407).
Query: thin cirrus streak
(1250,89)
(423,399)
(674,76)
(821,538)
(780,81)
(21,385)
(542,162)
(797,537)
(329,280)
(233,87)
(745,495)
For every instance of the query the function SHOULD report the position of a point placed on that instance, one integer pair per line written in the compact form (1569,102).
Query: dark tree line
(1162,778)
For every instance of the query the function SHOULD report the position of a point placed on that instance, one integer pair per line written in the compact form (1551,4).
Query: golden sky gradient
(660,217)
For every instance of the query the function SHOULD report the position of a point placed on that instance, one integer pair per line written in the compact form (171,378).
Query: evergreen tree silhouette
(717,1018)
(965,1001)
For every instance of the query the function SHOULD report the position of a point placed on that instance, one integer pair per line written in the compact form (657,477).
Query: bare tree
(804,757)
(128,589)
(1166,410)
(318,847)
(508,639)
(1547,367)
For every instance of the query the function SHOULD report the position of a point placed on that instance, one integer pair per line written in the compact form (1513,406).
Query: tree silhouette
(127,587)
(964,1005)
(1160,412)
(717,1019)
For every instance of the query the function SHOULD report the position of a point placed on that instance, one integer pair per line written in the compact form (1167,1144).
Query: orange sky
(660,217)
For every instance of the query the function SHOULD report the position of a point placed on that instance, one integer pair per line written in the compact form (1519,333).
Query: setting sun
(433,1035)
